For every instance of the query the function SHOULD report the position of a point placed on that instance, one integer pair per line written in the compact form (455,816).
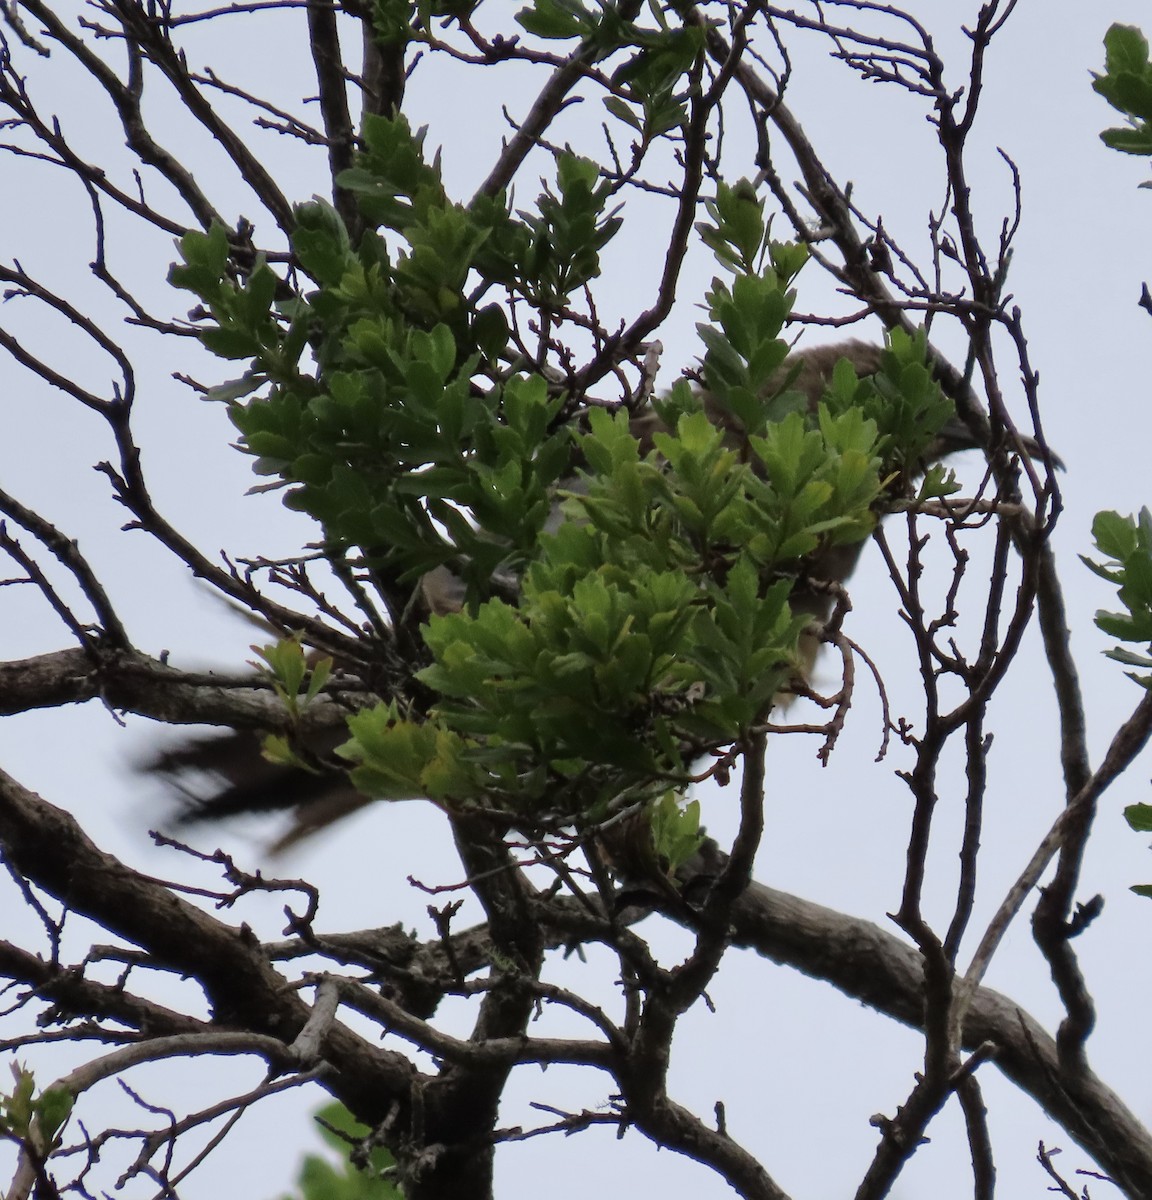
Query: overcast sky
(800,1068)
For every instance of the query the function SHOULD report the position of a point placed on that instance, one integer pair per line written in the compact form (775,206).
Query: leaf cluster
(320,1179)
(408,438)
(34,1120)
(658,74)
(742,369)
(297,679)
(654,623)
(1127,86)
(910,410)
(1126,543)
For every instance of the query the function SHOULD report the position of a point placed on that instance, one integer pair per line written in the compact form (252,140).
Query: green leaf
(1125,49)
(285,662)
(1116,536)
(398,759)
(1139,817)
(788,258)
(236,389)
(320,674)
(1128,543)
(1127,86)
(53,1108)
(736,233)
(1129,141)
(623,111)
(676,832)
(206,252)
(490,331)
(321,242)
(556,20)
(230,343)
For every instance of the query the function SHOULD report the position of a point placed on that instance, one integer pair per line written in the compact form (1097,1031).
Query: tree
(417,359)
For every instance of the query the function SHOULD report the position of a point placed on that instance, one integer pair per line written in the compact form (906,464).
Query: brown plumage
(221,775)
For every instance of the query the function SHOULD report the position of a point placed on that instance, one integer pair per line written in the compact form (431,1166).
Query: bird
(224,774)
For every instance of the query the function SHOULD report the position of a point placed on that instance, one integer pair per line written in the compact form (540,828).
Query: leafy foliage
(321,1179)
(1127,85)
(1127,544)
(35,1121)
(297,679)
(386,442)
(1127,541)
(292,674)
(651,626)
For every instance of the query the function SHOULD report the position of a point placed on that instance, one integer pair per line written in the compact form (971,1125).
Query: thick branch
(133,682)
